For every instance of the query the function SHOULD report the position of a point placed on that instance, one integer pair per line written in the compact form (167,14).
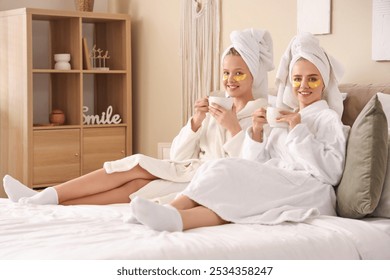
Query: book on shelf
(86,56)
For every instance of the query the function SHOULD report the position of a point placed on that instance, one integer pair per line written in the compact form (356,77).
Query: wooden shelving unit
(32,150)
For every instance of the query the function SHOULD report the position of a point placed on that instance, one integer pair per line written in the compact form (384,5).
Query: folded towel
(256,48)
(305,45)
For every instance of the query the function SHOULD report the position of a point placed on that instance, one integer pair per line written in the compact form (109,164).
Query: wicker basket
(84,5)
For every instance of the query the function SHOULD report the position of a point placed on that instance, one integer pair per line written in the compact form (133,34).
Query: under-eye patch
(296,84)
(237,77)
(312,84)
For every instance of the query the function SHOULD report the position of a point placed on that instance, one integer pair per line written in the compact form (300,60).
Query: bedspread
(97,232)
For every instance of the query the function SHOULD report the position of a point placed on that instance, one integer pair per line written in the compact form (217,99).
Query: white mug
(272,114)
(220,98)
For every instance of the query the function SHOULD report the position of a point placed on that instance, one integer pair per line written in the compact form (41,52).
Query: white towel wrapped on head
(256,48)
(307,46)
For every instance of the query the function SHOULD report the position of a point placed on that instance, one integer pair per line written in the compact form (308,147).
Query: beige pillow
(360,188)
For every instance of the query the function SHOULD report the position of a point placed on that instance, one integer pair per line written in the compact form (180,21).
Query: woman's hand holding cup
(277,117)
(201,107)
(258,122)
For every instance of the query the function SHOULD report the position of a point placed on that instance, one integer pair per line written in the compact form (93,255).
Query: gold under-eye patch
(237,78)
(311,85)
(296,84)
(314,84)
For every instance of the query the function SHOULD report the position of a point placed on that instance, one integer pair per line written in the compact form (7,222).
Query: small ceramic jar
(57,117)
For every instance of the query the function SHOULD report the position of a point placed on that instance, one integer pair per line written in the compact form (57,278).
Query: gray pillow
(360,188)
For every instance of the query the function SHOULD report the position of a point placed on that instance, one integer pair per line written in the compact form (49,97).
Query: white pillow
(385,101)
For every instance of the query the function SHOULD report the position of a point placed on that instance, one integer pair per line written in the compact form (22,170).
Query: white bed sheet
(97,232)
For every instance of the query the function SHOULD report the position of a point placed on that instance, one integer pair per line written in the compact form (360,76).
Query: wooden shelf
(32,150)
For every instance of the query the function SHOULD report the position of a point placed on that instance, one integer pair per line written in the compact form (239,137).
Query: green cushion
(360,188)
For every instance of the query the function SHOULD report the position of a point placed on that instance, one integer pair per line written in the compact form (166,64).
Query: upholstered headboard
(357,96)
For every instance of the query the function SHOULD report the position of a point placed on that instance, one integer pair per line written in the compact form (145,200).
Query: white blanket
(97,232)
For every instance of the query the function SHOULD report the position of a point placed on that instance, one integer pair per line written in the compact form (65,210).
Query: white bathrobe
(288,177)
(212,141)
(189,150)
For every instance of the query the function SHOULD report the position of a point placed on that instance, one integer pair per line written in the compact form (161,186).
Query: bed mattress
(98,232)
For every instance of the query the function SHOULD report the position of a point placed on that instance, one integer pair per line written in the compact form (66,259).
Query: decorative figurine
(99,60)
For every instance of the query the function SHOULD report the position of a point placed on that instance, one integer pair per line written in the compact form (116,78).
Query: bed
(91,232)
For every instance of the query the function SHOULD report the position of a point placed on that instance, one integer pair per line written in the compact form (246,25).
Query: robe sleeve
(253,150)
(234,145)
(186,144)
(320,150)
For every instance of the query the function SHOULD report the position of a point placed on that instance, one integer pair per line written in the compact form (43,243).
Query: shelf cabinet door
(56,156)
(101,145)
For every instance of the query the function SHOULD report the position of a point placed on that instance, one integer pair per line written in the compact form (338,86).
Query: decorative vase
(84,5)
(57,117)
(62,61)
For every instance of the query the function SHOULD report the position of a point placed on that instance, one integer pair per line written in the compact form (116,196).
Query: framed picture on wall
(381,30)
(314,16)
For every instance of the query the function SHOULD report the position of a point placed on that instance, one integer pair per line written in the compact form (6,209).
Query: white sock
(156,216)
(15,189)
(47,196)
(130,217)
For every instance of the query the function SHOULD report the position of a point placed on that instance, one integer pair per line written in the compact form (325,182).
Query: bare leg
(168,218)
(182,202)
(117,195)
(194,215)
(99,182)
(200,216)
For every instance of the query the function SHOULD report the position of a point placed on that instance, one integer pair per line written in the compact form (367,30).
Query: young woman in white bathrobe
(213,132)
(286,174)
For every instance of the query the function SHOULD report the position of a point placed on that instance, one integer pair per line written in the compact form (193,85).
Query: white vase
(62,61)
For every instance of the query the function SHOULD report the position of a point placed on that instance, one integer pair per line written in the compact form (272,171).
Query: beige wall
(156,70)
(349,41)
(156,50)
(156,53)
(99,5)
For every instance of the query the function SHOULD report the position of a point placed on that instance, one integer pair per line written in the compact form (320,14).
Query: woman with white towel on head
(213,132)
(286,174)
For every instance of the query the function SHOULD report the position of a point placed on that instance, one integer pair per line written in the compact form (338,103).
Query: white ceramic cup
(220,98)
(225,102)
(272,114)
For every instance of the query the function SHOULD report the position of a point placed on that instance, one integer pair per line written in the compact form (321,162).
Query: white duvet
(97,232)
